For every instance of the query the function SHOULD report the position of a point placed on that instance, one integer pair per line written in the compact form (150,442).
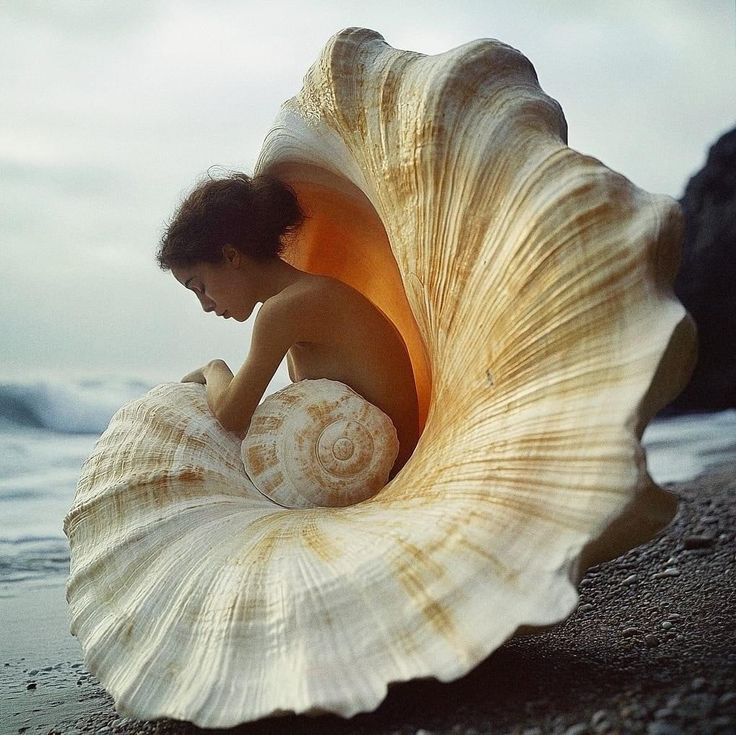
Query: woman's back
(346,338)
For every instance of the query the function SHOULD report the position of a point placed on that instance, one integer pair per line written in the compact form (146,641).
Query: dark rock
(705,281)
(698,542)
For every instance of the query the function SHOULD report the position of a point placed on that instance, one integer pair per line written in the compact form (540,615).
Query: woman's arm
(234,398)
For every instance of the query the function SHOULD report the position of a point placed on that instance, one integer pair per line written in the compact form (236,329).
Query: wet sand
(650,649)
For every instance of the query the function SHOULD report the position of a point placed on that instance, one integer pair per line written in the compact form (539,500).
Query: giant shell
(533,288)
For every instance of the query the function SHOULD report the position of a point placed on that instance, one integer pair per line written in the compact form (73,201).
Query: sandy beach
(650,649)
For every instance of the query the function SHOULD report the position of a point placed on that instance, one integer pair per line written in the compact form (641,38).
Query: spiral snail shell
(319,443)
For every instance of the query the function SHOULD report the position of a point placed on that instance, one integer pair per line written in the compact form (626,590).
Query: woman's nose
(207,304)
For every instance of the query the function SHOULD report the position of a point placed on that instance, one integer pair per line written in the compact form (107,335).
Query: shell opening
(344,238)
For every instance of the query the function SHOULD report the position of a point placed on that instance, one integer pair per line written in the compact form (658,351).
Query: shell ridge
(534,282)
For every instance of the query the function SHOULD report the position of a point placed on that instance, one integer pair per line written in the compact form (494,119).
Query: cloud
(112,110)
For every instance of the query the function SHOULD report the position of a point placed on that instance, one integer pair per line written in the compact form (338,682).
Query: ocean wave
(70,407)
(33,558)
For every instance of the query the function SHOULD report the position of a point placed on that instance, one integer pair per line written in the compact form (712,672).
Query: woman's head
(253,214)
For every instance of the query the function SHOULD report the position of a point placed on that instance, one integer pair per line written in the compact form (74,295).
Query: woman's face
(222,288)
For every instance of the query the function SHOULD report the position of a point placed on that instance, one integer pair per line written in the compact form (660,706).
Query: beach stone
(579,728)
(725,699)
(725,722)
(630,631)
(698,542)
(663,728)
(630,579)
(697,706)
(651,640)
(600,721)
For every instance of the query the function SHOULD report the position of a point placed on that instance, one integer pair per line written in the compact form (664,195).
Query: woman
(224,244)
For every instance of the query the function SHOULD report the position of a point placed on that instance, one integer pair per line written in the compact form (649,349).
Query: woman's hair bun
(253,214)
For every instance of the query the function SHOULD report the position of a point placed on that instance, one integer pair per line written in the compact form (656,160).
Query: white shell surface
(318,443)
(539,284)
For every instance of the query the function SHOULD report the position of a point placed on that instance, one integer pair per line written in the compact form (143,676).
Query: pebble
(669,572)
(697,706)
(32,685)
(698,542)
(663,728)
(631,631)
(666,624)
(697,684)
(579,728)
(630,579)
(724,722)
(726,699)
(651,640)
(586,607)
(600,721)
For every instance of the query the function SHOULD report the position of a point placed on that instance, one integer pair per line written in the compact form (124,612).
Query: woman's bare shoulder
(327,308)
(314,302)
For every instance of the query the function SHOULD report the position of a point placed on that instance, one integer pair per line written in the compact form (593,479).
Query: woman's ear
(231,255)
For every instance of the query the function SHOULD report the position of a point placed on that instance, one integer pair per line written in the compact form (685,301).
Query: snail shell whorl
(319,443)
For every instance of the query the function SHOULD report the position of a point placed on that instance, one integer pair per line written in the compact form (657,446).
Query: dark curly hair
(253,214)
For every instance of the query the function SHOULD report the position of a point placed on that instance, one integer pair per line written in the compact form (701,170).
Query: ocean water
(47,429)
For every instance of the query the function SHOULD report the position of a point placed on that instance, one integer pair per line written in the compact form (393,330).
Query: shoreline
(651,648)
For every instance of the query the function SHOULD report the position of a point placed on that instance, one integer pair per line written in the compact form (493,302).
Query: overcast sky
(111,110)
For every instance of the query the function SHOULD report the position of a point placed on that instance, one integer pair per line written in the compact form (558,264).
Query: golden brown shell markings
(533,288)
(318,443)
